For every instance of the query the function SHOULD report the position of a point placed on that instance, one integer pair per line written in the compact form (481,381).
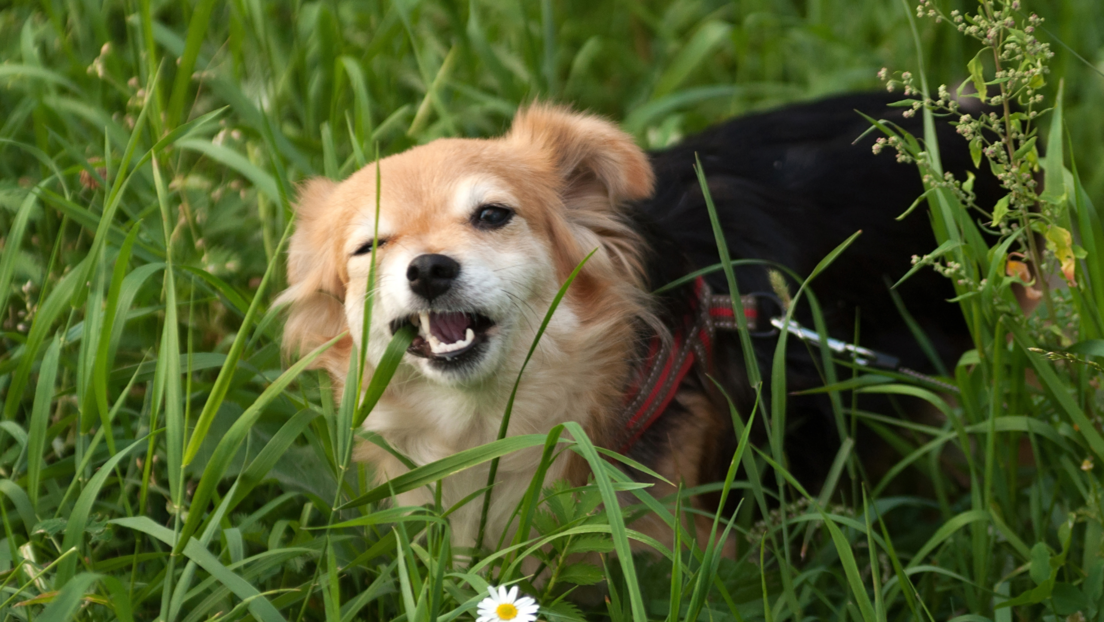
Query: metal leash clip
(862,356)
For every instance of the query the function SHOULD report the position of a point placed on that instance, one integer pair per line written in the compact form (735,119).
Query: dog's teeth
(444,348)
(416,320)
(423,325)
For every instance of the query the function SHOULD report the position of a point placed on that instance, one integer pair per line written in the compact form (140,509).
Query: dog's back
(789,186)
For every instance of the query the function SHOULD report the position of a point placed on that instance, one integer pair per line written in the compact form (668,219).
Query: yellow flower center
(506,611)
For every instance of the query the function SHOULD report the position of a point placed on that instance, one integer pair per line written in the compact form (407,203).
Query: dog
(476,237)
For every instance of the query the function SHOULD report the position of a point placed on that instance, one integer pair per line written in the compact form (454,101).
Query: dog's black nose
(432,275)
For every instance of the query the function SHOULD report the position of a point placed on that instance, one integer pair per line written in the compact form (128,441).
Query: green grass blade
(440,469)
(167,378)
(702,44)
(752,365)
(258,605)
(56,302)
(40,418)
(22,503)
(111,205)
(261,180)
(78,516)
(616,520)
(233,438)
(226,374)
(101,365)
(389,362)
(504,425)
(13,241)
(69,599)
(945,531)
(272,452)
(1060,393)
(197,28)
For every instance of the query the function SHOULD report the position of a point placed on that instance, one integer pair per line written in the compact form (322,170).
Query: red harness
(668,362)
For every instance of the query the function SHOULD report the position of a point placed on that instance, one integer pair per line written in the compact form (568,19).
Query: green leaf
(504,424)
(975,152)
(977,73)
(581,573)
(1040,563)
(850,569)
(1068,599)
(945,247)
(1000,210)
(590,544)
(1024,149)
(389,515)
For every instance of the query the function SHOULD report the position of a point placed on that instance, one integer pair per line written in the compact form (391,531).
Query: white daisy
(503,605)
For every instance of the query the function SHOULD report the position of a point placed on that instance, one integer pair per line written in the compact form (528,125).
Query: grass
(159,459)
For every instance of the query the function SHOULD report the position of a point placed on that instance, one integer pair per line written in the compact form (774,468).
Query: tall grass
(159,459)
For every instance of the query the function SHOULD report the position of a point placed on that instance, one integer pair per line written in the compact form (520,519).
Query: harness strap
(668,362)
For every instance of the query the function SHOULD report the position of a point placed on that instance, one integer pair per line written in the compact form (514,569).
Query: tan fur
(568,176)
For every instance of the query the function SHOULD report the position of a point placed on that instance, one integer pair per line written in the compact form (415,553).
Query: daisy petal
(512,596)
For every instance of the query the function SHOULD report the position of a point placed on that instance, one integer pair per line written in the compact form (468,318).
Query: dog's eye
(491,216)
(367,247)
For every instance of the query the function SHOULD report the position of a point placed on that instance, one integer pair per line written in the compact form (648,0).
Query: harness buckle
(762,312)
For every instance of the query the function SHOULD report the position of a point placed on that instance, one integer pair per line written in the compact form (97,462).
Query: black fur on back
(789,186)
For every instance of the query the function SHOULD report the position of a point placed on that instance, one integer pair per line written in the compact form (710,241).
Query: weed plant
(160,458)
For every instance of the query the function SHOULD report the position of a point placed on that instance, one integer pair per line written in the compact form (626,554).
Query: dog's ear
(600,169)
(316,289)
(592,155)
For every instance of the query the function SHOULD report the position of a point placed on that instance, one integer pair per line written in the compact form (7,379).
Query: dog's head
(475,237)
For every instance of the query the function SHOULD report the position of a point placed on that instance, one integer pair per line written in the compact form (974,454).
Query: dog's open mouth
(446,336)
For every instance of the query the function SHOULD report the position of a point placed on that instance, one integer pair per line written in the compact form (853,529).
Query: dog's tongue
(449,327)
